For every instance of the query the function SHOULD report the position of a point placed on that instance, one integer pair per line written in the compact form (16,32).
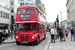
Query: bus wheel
(0,42)
(45,36)
(18,43)
(37,41)
(3,39)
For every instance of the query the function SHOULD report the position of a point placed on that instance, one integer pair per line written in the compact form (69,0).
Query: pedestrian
(74,34)
(52,36)
(60,32)
(0,36)
(6,33)
(67,31)
(71,33)
(3,35)
(55,32)
(64,34)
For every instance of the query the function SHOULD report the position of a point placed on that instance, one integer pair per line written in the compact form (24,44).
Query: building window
(28,0)
(0,13)
(4,5)
(21,4)
(8,7)
(11,0)
(18,0)
(0,3)
(34,2)
(27,3)
(11,3)
(12,10)
(7,16)
(3,14)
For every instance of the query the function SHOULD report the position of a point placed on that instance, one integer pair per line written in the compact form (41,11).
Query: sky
(54,7)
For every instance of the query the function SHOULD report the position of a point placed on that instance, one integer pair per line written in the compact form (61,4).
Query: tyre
(45,36)
(37,41)
(18,43)
(3,39)
(0,40)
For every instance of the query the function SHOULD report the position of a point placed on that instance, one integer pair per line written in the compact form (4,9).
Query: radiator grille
(24,38)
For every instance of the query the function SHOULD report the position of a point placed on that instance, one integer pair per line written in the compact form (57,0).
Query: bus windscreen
(30,10)
(21,11)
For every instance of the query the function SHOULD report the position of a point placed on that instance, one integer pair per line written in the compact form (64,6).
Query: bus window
(21,11)
(40,27)
(29,26)
(30,10)
(34,27)
(36,11)
(19,27)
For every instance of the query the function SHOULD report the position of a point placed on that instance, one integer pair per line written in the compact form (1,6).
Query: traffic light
(12,19)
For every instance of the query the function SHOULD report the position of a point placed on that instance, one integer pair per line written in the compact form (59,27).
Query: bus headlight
(33,37)
(17,37)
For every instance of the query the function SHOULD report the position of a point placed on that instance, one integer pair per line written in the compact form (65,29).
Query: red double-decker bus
(30,25)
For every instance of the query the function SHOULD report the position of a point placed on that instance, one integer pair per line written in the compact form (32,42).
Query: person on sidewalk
(0,36)
(67,31)
(71,33)
(6,33)
(3,34)
(74,34)
(64,34)
(60,32)
(52,35)
(55,32)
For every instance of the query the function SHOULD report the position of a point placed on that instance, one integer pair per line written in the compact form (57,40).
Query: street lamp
(61,17)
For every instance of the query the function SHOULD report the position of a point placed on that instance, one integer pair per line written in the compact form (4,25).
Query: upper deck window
(21,11)
(37,11)
(30,10)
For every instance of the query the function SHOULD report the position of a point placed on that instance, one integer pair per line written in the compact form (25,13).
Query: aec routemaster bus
(30,25)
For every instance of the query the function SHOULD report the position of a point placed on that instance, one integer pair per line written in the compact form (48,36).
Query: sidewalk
(65,45)
(10,40)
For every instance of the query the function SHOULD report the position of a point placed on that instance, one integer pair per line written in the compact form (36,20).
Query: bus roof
(27,6)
